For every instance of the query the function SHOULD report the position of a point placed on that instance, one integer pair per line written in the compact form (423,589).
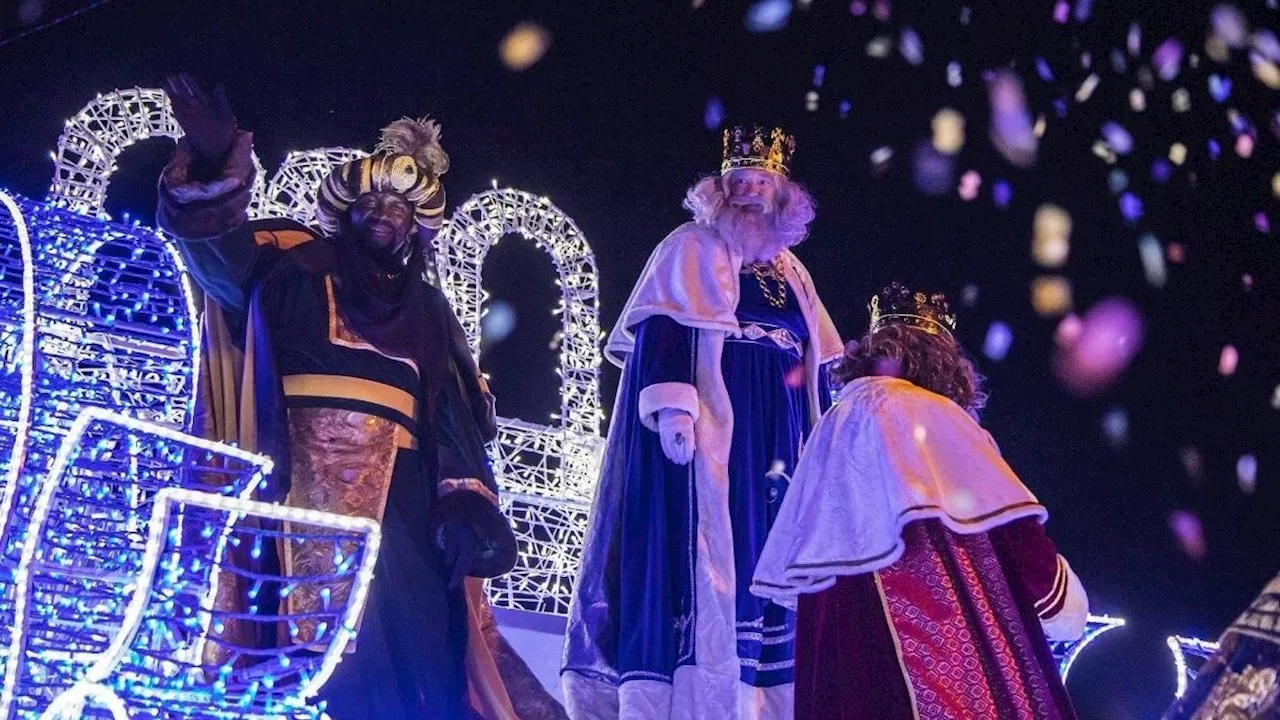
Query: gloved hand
(208,122)
(675,429)
(459,546)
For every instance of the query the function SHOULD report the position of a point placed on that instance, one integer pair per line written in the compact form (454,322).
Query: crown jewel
(896,304)
(754,147)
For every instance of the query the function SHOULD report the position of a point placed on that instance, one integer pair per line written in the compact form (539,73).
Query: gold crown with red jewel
(898,305)
(755,147)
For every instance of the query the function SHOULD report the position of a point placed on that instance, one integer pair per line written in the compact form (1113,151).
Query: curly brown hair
(935,362)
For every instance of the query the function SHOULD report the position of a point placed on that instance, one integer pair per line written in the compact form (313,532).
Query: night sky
(617,120)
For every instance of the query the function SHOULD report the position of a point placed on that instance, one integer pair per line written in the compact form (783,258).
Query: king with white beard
(723,347)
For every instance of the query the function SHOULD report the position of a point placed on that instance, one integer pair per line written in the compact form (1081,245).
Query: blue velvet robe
(633,617)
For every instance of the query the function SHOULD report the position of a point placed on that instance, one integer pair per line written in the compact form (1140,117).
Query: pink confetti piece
(1167,59)
(1262,222)
(970,182)
(1012,132)
(1247,280)
(1189,534)
(1244,146)
(1111,336)
(857,8)
(1175,253)
(1061,11)
(882,10)
(1227,360)
(1247,473)
(1068,331)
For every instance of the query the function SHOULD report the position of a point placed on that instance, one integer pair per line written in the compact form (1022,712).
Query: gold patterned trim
(1056,593)
(340,334)
(346,387)
(451,485)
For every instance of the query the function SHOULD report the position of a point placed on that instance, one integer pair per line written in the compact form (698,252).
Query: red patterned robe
(926,585)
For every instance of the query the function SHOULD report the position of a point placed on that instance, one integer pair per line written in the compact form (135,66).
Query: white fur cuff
(1069,622)
(660,396)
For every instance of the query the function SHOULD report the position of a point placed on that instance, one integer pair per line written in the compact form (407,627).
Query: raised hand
(208,122)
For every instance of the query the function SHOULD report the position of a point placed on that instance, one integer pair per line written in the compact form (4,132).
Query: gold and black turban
(408,161)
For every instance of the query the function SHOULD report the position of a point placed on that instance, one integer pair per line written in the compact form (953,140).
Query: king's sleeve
(1043,577)
(466,490)
(203,205)
(664,359)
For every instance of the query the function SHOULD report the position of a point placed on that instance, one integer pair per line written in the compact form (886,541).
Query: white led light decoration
(547,472)
(23,356)
(169,504)
(1182,648)
(1067,652)
(85,545)
(70,704)
(550,469)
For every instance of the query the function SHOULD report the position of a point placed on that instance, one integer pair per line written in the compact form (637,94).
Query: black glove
(209,123)
(459,546)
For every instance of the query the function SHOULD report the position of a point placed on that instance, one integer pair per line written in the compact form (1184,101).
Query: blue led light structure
(1067,652)
(87,541)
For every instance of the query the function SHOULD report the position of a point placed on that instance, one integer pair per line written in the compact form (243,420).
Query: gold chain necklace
(772,271)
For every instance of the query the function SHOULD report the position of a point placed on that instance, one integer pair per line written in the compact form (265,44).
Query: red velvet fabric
(967,636)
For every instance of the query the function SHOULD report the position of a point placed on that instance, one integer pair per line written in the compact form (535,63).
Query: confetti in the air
(1051,236)
(1012,132)
(497,322)
(969,295)
(1001,193)
(713,115)
(1189,533)
(1051,295)
(1115,426)
(911,47)
(999,338)
(1152,260)
(524,46)
(933,171)
(1192,462)
(948,131)
(1117,138)
(1227,360)
(1109,337)
(970,182)
(1247,473)
(768,16)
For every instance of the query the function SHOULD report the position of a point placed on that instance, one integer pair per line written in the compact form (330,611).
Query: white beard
(748,229)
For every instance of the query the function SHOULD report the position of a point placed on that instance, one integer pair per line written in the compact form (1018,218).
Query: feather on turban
(408,161)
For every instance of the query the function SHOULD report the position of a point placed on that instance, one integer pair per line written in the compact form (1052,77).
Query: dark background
(610,126)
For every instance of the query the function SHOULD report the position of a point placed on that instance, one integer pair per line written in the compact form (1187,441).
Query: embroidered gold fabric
(1250,694)
(342,462)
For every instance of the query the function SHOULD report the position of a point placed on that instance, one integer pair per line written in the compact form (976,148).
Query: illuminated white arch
(1095,626)
(93,139)
(547,472)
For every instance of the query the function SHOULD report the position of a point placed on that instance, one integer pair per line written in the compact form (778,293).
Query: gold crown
(749,147)
(898,305)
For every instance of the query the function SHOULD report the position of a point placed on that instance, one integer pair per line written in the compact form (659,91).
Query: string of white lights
(1095,626)
(168,499)
(70,704)
(71,445)
(1181,647)
(25,362)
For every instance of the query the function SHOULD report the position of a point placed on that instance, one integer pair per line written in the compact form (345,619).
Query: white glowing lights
(1067,652)
(547,472)
(83,546)
(1182,648)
